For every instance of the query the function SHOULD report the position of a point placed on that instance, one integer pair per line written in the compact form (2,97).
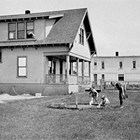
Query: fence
(129,85)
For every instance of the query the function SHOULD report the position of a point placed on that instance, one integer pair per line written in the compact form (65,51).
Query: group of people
(104,100)
(94,96)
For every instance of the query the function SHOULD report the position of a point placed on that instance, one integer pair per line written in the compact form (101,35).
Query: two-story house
(125,69)
(48,52)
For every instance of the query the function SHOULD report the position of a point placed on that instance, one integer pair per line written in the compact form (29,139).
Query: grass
(33,120)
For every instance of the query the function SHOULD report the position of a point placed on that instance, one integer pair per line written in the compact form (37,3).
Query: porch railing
(84,80)
(56,79)
(62,79)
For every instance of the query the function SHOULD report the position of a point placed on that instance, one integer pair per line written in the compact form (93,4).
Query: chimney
(27,12)
(117,53)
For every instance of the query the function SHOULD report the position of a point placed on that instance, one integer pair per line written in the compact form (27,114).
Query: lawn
(33,120)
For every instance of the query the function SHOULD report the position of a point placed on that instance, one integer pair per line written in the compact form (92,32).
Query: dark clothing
(121,92)
(93,93)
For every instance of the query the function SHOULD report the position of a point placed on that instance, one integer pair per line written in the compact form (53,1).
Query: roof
(116,57)
(63,31)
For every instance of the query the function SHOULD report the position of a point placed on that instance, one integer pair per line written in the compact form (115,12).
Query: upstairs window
(134,64)
(12,31)
(21,30)
(81,36)
(103,65)
(95,64)
(22,66)
(30,30)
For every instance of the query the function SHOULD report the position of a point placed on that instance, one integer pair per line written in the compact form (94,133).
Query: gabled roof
(64,30)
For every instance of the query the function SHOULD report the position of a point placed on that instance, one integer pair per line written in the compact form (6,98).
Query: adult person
(121,92)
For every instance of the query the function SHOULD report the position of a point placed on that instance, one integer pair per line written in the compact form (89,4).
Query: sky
(115,24)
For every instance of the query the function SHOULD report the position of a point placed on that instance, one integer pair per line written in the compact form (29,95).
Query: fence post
(101,84)
(76,100)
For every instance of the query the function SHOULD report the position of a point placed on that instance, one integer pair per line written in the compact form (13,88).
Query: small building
(116,68)
(47,52)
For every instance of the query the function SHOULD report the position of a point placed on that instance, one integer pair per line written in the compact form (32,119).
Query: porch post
(45,69)
(67,67)
(90,71)
(83,69)
(78,70)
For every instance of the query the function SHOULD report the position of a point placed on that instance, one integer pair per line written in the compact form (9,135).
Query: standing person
(121,92)
(94,95)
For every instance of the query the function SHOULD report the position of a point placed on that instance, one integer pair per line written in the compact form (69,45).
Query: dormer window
(30,30)
(81,36)
(12,31)
(21,30)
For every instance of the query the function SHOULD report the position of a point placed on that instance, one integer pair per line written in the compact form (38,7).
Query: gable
(88,48)
(83,50)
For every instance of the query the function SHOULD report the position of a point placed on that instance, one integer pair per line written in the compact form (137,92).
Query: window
(81,36)
(120,77)
(103,65)
(21,30)
(12,31)
(0,56)
(95,65)
(95,79)
(22,66)
(103,77)
(29,30)
(120,65)
(134,64)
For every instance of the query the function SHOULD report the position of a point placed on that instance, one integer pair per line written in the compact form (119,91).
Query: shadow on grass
(72,106)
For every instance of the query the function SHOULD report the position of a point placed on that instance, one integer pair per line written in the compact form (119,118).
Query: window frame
(120,64)
(103,65)
(120,76)
(16,31)
(95,64)
(81,36)
(0,56)
(20,67)
(134,64)
(31,30)
(21,30)
(12,31)
(103,77)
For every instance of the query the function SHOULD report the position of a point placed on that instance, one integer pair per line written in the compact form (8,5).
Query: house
(47,52)
(124,69)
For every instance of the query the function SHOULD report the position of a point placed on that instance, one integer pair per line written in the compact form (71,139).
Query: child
(94,95)
(104,101)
